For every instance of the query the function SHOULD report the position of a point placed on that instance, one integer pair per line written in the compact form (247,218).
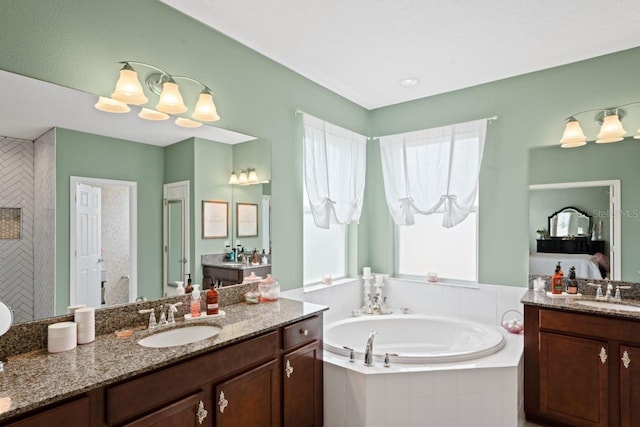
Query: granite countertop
(236,266)
(571,304)
(38,378)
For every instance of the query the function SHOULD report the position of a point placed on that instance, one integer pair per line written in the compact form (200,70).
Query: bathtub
(416,339)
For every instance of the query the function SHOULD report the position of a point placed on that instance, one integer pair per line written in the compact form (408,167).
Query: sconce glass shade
(111,105)
(611,130)
(149,114)
(233,179)
(205,108)
(637,136)
(253,177)
(128,88)
(573,135)
(242,179)
(170,99)
(187,123)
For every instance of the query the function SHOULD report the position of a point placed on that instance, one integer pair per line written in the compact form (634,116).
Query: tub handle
(387,363)
(352,357)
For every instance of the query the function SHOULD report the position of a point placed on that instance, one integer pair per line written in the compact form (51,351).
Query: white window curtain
(433,170)
(334,168)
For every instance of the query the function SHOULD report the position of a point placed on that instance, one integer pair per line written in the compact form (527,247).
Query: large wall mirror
(600,180)
(73,139)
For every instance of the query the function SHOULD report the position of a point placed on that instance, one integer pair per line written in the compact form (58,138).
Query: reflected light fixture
(129,91)
(111,105)
(247,176)
(611,129)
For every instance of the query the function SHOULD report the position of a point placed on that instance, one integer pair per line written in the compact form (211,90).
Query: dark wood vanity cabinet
(577,245)
(74,413)
(231,276)
(576,372)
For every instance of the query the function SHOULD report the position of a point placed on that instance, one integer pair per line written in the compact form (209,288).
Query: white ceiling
(30,107)
(362,49)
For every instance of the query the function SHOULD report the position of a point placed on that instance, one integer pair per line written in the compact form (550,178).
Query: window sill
(442,282)
(314,287)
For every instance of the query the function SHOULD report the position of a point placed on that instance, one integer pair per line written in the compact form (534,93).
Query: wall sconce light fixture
(246,177)
(611,129)
(129,91)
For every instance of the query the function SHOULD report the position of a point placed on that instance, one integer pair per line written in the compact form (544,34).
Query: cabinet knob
(626,360)
(603,355)
(222,402)
(304,332)
(201,413)
(288,369)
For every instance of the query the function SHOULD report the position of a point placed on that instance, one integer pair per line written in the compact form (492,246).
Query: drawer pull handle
(603,355)
(288,369)
(202,413)
(626,360)
(304,332)
(222,402)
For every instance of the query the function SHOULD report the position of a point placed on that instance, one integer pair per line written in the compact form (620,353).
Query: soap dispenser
(195,302)
(189,288)
(180,288)
(572,288)
(212,298)
(557,285)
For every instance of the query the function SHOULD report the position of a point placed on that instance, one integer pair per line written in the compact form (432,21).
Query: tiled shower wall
(16,255)
(44,223)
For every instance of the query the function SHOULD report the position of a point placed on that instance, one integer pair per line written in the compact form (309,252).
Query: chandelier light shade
(187,123)
(170,99)
(205,108)
(149,114)
(111,105)
(233,179)
(128,88)
(243,179)
(253,177)
(611,130)
(637,135)
(573,135)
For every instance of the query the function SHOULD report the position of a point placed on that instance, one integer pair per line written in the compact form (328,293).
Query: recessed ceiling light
(410,82)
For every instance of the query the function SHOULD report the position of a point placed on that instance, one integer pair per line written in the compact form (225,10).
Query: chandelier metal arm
(600,109)
(144,64)
(205,87)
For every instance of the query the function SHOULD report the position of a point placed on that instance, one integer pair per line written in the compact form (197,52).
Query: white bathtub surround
(482,392)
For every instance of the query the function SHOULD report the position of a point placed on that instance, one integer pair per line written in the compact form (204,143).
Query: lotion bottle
(189,288)
(557,285)
(195,302)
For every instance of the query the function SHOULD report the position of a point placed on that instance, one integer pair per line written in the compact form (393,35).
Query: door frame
(178,190)
(133,228)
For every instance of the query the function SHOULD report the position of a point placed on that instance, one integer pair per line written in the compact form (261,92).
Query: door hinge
(166,249)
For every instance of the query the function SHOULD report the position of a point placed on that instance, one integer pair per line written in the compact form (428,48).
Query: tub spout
(368,352)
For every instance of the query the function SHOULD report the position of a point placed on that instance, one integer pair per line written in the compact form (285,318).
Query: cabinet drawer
(76,413)
(302,332)
(138,396)
(588,325)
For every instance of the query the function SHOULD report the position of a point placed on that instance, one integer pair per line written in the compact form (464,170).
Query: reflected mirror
(90,143)
(569,222)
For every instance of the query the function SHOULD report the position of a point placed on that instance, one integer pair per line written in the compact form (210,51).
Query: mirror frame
(566,208)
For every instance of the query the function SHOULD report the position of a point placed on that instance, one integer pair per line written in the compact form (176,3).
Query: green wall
(598,162)
(531,110)
(67,42)
(87,155)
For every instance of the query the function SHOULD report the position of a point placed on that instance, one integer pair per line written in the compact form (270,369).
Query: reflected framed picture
(215,219)
(247,219)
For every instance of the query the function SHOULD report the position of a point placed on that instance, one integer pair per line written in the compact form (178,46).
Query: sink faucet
(172,309)
(152,317)
(368,352)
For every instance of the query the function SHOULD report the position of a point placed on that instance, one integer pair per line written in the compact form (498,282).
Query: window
(428,247)
(325,250)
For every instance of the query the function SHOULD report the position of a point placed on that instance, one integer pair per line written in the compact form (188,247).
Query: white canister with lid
(61,337)
(86,320)
(269,289)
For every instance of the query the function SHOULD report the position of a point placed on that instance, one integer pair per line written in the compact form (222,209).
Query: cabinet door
(629,386)
(302,379)
(250,399)
(190,411)
(574,380)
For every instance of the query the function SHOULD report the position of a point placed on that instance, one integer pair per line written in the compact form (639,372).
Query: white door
(88,246)
(175,235)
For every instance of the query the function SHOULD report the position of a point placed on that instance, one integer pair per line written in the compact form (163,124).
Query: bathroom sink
(179,336)
(233,264)
(609,305)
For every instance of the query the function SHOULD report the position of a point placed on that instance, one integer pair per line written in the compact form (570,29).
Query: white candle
(366,271)
(378,279)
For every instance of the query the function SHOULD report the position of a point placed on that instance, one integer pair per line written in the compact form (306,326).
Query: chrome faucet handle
(618,295)
(387,363)
(351,354)
(172,309)
(152,317)
(163,316)
(598,291)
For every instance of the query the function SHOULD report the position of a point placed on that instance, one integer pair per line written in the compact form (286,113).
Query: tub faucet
(368,352)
